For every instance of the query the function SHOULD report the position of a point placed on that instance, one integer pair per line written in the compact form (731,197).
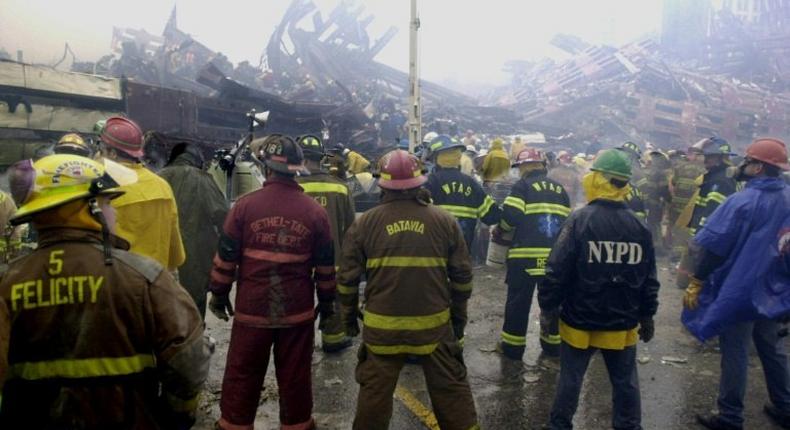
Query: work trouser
(734,344)
(248,358)
(621,366)
(520,290)
(445,376)
(334,331)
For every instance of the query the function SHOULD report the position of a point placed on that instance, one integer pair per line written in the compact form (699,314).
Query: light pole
(415,104)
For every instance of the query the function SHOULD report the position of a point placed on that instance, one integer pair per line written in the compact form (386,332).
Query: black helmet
(281,154)
(312,147)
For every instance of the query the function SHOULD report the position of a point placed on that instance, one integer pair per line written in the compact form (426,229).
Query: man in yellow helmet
(100,337)
(73,143)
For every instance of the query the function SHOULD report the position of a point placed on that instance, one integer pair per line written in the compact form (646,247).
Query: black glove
(459,326)
(646,329)
(220,306)
(324,310)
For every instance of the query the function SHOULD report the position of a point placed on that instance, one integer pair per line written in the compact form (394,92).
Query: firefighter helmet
(312,147)
(281,154)
(62,178)
(123,135)
(770,151)
(72,143)
(632,149)
(713,146)
(400,171)
(444,142)
(612,162)
(529,155)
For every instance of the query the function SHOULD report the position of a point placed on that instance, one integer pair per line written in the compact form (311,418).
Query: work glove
(220,306)
(324,310)
(691,298)
(647,329)
(459,325)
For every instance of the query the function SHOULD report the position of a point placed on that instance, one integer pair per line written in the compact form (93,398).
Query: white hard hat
(429,137)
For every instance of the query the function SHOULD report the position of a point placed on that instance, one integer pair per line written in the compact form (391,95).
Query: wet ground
(678,377)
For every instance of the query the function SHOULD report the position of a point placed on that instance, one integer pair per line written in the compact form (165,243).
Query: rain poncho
(201,213)
(751,231)
(496,165)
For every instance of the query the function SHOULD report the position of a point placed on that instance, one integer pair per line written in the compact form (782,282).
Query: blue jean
(734,344)
(621,366)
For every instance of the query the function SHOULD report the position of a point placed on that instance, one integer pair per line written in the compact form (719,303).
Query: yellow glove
(691,298)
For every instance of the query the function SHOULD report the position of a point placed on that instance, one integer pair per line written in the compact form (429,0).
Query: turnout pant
(520,290)
(248,358)
(734,344)
(335,331)
(445,375)
(626,400)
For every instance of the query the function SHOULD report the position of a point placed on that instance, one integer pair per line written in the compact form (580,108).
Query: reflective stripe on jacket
(715,188)
(418,272)
(333,195)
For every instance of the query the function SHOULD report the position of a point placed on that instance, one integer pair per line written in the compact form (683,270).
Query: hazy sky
(467,41)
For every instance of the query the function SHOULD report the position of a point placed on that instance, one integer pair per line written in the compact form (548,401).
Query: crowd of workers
(101,320)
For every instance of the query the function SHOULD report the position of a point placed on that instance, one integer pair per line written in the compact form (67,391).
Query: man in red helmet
(277,245)
(533,214)
(419,278)
(147,213)
(739,284)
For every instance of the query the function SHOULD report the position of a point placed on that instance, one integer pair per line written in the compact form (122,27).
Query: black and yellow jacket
(715,188)
(418,272)
(536,208)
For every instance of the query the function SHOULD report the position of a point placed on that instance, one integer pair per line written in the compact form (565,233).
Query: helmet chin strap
(97,213)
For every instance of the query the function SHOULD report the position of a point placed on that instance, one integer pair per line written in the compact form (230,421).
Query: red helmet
(124,135)
(770,151)
(400,170)
(529,155)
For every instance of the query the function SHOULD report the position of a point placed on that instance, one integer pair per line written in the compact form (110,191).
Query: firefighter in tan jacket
(419,278)
(91,335)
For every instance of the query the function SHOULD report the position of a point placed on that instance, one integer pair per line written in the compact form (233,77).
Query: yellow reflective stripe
(685,181)
(513,340)
(641,215)
(536,272)
(552,339)
(505,226)
(402,349)
(333,338)
(546,208)
(322,187)
(462,287)
(345,289)
(717,197)
(515,202)
(81,368)
(488,202)
(528,252)
(422,322)
(460,211)
(406,262)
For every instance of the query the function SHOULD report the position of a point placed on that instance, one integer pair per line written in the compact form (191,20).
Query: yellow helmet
(72,143)
(62,178)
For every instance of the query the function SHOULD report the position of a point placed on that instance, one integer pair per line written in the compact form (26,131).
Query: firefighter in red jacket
(283,254)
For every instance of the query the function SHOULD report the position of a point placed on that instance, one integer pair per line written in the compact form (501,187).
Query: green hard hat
(612,162)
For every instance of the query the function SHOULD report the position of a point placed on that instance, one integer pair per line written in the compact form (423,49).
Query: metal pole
(415,104)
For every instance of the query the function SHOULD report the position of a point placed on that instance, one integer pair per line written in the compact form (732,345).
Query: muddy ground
(511,395)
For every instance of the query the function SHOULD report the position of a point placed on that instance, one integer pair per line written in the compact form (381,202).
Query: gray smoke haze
(462,41)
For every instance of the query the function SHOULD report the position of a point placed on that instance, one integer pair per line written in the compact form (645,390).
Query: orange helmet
(124,135)
(770,151)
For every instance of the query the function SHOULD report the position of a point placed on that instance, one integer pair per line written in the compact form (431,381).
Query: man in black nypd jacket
(457,192)
(601,274)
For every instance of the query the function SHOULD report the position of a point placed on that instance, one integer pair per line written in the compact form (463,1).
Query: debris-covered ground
(678,376)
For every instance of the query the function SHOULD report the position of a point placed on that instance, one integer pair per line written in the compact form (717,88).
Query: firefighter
(280,255)
(685,171)
(73,143)
(735,292)
(419,278)
(355,162)
(333,195)
(634,199)
(147,212)
(496,164)
(201,212)
(535,211)
(456,192)
(601,276)
(655,187)
(92,336)
(715,187)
